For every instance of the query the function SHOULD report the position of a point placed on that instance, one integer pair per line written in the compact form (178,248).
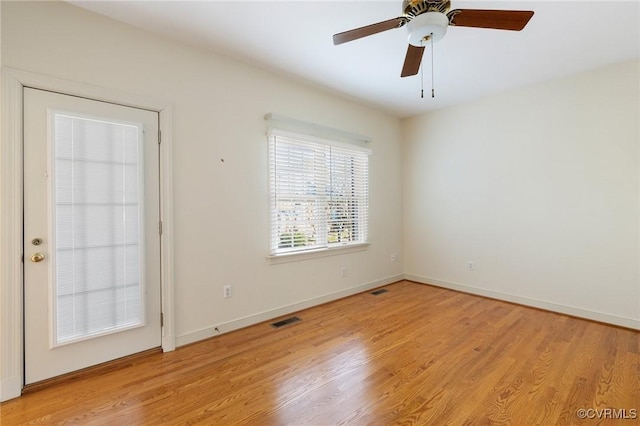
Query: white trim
(166,239)
(295,256)
(11,326)
(226,327)
(535,303)
(306,137)
(10,388)
(11,369)
(298,126)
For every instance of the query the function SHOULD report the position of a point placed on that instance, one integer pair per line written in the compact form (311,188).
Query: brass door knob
(37,257)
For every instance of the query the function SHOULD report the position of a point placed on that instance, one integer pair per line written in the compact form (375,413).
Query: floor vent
(377,292)
(285,322)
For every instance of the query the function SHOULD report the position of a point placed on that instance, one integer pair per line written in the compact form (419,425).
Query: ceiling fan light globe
(429,24)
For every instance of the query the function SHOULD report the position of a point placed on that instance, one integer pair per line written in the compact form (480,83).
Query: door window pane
(97,227)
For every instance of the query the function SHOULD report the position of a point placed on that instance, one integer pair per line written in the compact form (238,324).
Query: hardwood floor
(414,355)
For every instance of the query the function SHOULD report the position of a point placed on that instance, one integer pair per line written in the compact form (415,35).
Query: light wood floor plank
(414,355)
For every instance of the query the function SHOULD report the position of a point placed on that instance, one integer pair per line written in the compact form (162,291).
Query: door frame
(11,212)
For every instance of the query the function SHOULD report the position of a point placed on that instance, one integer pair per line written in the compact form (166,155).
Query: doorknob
(37,257)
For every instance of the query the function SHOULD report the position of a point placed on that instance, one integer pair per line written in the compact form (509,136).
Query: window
(98,201)
(319,193)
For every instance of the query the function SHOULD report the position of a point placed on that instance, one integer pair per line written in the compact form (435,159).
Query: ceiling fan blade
(412,61)
(513,20)
(369,30)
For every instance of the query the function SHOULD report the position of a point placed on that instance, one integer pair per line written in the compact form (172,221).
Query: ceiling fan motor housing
(426,26)
(413,8)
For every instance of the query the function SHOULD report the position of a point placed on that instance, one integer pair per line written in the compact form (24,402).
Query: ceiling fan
(427,21)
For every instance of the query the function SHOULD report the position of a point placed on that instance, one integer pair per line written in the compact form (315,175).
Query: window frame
(324,248)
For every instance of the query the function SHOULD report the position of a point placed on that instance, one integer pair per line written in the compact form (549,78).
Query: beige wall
(221,208)
(538,186)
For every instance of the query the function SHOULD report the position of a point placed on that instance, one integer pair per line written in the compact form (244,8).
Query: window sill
(277,259)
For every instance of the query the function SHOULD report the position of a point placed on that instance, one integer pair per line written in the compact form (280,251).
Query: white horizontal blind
(98,233)
(319,194)
(349,201)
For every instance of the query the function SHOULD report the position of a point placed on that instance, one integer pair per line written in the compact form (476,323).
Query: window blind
(98,234)
(319,193)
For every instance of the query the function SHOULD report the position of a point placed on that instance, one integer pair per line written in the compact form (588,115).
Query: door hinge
(159,137)
(161,319)
(160,228)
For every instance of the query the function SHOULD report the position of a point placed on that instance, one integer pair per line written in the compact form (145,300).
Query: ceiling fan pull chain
(433,93)
(422,74)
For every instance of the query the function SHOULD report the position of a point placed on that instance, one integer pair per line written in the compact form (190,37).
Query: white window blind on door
(97,194)
(319,193)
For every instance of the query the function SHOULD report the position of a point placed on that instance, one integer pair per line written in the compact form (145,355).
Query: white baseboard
(10,387)
(226,327)
(535,303)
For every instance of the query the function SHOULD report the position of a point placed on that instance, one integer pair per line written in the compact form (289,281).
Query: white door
(91,233)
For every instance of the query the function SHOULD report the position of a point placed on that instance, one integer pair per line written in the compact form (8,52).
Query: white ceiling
(294,38)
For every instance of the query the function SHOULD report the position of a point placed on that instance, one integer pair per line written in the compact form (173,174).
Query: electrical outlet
(470,265)
(343,272)
(394,257)
(227,291)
